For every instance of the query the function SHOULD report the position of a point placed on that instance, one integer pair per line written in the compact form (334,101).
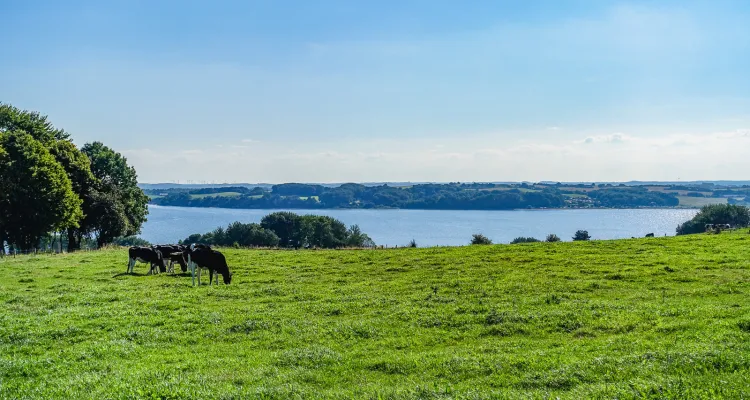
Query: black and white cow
(202,256)
(147,255)
(173,254)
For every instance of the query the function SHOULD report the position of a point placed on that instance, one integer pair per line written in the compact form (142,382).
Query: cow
(173,254)
(648,235)
(200,256)
(146,255)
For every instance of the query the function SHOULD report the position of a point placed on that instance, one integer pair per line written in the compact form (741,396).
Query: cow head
(227,278)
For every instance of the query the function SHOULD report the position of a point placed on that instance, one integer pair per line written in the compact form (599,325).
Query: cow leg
(199,275)
(192,268)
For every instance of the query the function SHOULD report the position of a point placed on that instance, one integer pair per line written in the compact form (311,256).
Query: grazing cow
(173,254)
(649,235)
(146,255)
(204,257)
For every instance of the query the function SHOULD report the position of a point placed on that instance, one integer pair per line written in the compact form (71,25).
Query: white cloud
(619,156)
(612,138)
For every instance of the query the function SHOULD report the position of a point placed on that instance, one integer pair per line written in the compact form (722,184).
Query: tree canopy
(286,230)
(49,185)
(734,215)
(36,194)
(118,184)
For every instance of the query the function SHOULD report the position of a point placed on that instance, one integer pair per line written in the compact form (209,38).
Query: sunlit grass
(645,318)
(687,201)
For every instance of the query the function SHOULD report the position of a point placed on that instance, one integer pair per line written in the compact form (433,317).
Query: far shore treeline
(452,196)
(53,192)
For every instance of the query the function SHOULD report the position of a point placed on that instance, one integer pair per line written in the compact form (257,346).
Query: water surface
(435,227)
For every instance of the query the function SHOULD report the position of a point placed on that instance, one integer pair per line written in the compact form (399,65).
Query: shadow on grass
(129,274)
(180,275)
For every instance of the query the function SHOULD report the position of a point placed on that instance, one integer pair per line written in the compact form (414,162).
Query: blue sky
(330,91)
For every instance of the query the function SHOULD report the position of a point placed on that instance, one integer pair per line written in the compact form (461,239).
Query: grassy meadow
(697,202)
(662,318)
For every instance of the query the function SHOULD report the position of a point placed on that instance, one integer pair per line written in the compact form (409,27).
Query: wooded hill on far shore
(451,196)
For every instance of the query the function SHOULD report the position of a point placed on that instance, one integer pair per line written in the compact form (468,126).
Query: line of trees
(734,215)
(48,185)
(452,196)
(351,195)
(287,230)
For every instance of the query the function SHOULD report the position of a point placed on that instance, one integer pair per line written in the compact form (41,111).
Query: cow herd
(195,257)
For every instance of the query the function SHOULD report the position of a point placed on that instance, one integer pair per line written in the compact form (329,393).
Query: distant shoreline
(434,209)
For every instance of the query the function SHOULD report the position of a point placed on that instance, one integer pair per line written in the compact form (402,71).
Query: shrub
(715,214)
(356,238)
(128,241)
(581,235)
(285,229)
(551,238)
(478,238)
(413,243)
(525,240)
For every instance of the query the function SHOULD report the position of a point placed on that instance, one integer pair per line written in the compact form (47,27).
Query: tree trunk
(72,244)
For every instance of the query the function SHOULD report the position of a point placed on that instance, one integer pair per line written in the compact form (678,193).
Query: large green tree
(78,168)
(111,203)
(286,225)
(36,195)
(31,122)
(121,206)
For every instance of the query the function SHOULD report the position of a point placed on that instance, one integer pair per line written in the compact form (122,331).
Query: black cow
(173,254)
(146,255)
(649,235)
(214,261)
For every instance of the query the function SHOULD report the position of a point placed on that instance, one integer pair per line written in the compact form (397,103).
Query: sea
(436,227)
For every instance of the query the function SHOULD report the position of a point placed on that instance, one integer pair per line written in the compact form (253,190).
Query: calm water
(431,228)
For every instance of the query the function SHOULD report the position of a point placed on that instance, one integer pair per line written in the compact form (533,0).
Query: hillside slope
(658,318)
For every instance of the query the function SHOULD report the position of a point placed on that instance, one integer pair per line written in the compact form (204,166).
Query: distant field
(575,196)
(700,201)
(520,189)
(679,192)
(220,194)
(578,189)
(663,318)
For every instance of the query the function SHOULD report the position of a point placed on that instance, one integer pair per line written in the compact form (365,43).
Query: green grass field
(686,201)
(662,318)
